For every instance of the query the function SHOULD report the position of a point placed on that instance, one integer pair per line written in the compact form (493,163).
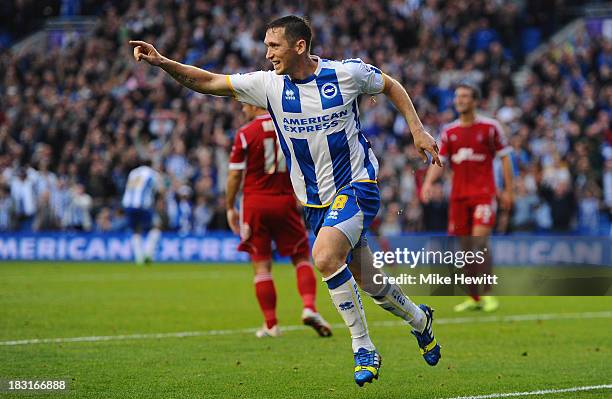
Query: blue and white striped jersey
(142,185)
(317,122)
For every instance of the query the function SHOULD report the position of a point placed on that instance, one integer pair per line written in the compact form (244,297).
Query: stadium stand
(76,117)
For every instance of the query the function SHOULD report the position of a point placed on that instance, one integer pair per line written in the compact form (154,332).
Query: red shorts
(265,218)
(466,213)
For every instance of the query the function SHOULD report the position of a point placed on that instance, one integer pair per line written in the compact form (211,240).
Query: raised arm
(189,76)
(422,140)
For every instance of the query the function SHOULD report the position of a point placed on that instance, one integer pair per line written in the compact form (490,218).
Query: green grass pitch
(480,355)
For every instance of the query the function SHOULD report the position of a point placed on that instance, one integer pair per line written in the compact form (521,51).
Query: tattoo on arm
(190,77)
(184,79)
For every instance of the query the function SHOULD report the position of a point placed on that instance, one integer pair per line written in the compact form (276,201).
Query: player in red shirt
(269,212)
(470,144)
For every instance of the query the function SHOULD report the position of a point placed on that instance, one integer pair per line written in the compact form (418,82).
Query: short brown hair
(472,87)
(296,28)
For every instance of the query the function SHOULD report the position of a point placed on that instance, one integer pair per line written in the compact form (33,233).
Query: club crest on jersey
(289,94)
(329,90)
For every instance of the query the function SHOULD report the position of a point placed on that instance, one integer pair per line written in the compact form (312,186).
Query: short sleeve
(250,87)
(369,79)
(238,155)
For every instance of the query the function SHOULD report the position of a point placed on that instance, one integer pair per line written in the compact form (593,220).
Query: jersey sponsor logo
(315,124)
(329,90)
(467,154)
(483,213)
(289,94)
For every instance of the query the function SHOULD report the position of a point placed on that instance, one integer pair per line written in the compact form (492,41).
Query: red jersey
(256,151)
(471,150)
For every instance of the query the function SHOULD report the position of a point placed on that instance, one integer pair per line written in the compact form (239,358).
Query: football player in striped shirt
(143,184)
(333,170)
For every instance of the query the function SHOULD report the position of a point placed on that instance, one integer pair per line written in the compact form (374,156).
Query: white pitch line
(103,278)
(540,392)
(454,320)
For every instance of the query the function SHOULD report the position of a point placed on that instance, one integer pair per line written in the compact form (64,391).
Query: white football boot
(266,332)
(316,321)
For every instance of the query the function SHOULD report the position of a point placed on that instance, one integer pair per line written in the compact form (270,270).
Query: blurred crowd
(75,119)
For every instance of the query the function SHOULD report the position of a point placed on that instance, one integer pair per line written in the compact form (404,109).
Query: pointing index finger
(138,43)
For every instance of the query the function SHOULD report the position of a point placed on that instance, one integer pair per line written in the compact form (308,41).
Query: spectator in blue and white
(543,216)
(525,205)
(185,210)
(202,215)
(171,207)
(588,210)
(45,219)
(24,198)
(510,112)
(176,164)
(6,209)
(45,180)
(519,154)
(119,220)
(60,201)
(103,221)
(556,173)
(78,214)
